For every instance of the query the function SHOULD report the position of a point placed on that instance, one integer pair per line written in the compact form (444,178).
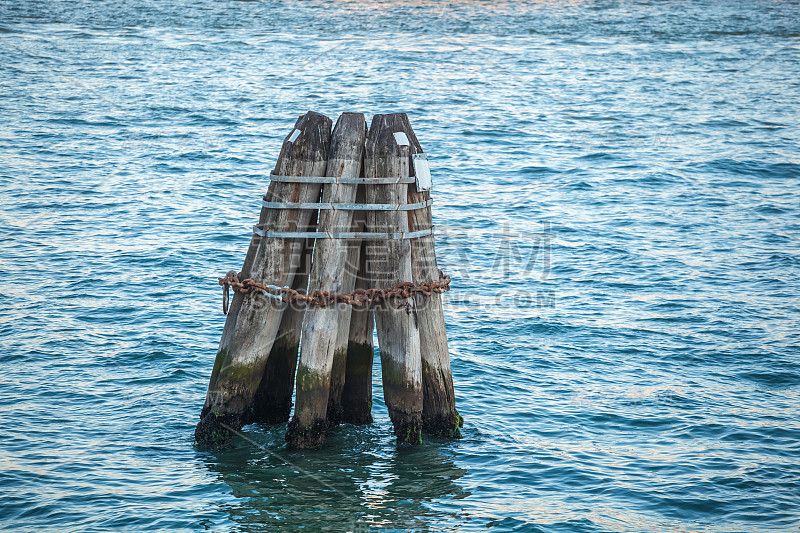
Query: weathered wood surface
(320,326)
(439,415)
(272,403)
(389,262)
(357,390)
(349,276)
(253,321)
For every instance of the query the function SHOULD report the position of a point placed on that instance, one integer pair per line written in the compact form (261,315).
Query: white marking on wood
(401,139)
(439,401)
(422,170)
(295,134)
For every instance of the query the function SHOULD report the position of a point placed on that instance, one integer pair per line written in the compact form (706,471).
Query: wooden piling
(253,320)
(357,391)
(338,367)
(309,424)
(439,415)
(389,262)
(349,275)
(272,403)
(253,374)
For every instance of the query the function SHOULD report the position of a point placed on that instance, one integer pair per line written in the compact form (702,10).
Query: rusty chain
(404,289)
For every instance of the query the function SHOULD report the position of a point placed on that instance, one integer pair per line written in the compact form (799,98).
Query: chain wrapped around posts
(404,289)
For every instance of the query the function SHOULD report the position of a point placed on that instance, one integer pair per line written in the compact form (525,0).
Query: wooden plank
(389,262)
(309,424)
(439,415)
(253,321)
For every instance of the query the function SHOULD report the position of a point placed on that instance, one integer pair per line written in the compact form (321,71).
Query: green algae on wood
(319,401)
(253,321)
(387,155)
(272,403)
(439,404)
(357,392)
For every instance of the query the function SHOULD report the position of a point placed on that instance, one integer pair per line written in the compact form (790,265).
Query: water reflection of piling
(362,486)
(344,242)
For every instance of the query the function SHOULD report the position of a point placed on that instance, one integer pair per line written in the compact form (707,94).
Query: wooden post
(254,319)
(309,424)
(389,262)
(272,403)
(357,392)
(349,274)
(439,415)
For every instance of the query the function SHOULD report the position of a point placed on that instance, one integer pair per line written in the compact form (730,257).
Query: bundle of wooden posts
(343,212)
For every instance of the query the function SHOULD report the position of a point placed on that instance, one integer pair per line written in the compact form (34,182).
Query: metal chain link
(404,289)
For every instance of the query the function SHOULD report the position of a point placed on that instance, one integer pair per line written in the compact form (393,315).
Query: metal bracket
(343,207)
(401,138)
(368,235)
(347,181)
(422,170)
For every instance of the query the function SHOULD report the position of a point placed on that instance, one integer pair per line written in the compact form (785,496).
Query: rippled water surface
(616,189)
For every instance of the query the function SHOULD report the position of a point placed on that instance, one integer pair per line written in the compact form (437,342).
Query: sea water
(616,199)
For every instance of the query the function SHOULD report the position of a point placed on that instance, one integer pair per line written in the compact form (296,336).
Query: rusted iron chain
(404,289)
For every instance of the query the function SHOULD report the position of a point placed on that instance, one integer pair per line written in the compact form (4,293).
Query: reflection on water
(359,481)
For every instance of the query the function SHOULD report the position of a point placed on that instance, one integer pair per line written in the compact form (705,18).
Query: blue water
(616,189)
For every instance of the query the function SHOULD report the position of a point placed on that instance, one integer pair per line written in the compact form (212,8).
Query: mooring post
(439,415)
(389,262)
(309,424)
(357,391)
(253,320)
(272,403)
(349,273)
